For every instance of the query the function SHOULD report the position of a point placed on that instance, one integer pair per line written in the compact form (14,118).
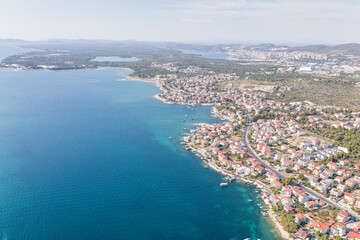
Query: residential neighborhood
(310,190)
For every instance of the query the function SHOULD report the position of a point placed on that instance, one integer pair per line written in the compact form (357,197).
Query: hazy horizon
(182,42)
(298,22)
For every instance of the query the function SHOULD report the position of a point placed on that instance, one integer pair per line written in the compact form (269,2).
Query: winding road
(271,168)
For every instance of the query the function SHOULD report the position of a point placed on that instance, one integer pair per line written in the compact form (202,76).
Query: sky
(198,21)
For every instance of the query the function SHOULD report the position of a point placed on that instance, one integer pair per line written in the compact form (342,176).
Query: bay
(84,156)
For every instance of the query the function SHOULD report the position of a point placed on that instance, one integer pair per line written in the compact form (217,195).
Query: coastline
(272,216)
(215,114)
(261,186)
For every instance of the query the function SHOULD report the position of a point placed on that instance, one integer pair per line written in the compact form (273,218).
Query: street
(270,168)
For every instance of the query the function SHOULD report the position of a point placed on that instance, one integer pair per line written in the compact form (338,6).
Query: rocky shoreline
(261,186)
(208,161)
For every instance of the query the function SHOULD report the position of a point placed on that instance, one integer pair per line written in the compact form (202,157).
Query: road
(252,152)
(271,168)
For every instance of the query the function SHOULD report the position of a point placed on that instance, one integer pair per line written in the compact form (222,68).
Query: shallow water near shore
(83,156)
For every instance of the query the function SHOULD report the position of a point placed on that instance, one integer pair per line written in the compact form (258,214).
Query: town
(309,182)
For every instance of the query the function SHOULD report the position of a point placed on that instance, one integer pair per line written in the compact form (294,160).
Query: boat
(170,137)
(232,179)
(250,200)
(223,184)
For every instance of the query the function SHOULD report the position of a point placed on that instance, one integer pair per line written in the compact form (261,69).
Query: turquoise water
(83,156)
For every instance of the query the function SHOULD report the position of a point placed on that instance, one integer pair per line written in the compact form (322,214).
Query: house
(277,184)
(333,166)
(323,176)
(234,149)
(329,222)
(287,163)
(274,178)
(284,147)
(297,191)
(298,166)
(349,198)
(339,179)
(311,205)
(321,187)
(313,182)
(342,187)
(343,216)
(311,177)
(316,142)
(311,166)
(243,154)
(278,198)
(301,234)
(353,236)
(288,209)
(318,226)
(299,218)
(278,156)
(344,163)
(356,228)
(347,174)
(304,197)
(338,229)
(317,171)
(286,193)
(351,182)
(335,192)
(328,172)
(286,201)
(340,172)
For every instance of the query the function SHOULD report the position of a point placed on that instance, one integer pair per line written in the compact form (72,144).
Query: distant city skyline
(199,21)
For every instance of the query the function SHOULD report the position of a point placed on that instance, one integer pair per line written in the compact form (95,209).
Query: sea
(210,55)
(87,155)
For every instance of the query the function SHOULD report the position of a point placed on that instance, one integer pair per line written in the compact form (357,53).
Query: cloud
(195,20)
(295,21)
(241,8)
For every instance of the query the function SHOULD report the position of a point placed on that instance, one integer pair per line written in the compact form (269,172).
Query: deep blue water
(83,156)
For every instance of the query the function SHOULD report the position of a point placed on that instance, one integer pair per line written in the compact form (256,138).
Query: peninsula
(291,120)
